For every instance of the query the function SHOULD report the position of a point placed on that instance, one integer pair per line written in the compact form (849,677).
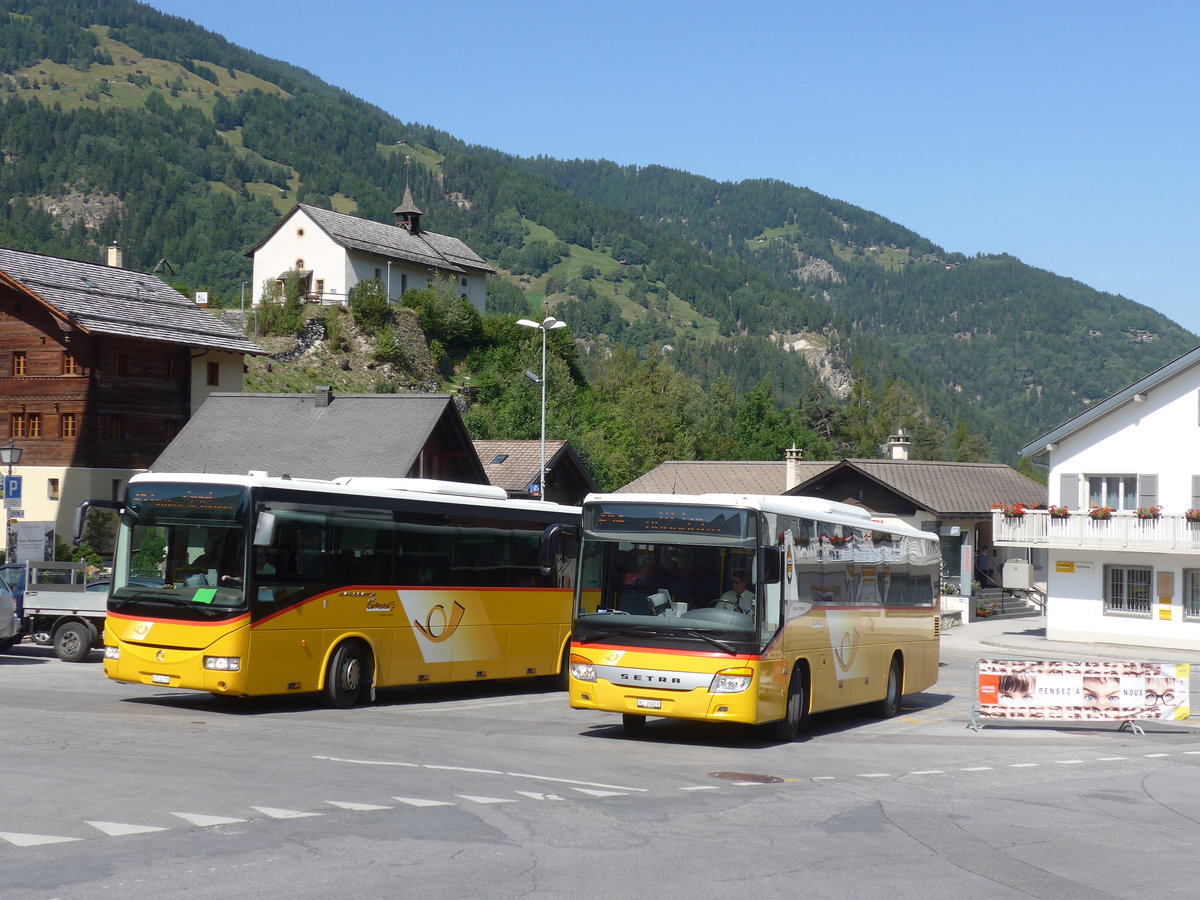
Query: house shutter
(1147,490)
(1068,490)
(1196,492)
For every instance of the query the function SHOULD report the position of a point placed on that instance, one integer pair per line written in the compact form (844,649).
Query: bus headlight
(731,681)
(112,652)
(223,663)
(582,668)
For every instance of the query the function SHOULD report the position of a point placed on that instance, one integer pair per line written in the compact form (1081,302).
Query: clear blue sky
(1062,132)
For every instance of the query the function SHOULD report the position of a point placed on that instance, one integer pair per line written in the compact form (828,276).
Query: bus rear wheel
(889,706)
(348,679)
(796,715)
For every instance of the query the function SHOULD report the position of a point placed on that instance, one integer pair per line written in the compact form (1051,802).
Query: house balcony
(1124,531)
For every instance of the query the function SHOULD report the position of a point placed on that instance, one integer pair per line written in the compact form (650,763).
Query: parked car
(10,622)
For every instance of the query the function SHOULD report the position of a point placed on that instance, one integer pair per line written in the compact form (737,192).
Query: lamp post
(547,324)
(10,455)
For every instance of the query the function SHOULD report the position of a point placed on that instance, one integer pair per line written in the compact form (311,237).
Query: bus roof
(427,489)
(808,507)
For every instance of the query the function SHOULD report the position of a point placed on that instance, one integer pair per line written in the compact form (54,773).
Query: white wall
(325,258)
(1156,437)
(229,379)
(1076,607)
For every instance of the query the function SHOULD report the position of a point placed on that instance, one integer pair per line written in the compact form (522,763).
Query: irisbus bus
(253,585)
(834,609)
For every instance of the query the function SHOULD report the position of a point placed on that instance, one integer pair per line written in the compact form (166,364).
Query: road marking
(33,840)
(874,775)
(284,813)
(416,801)
(534,795)
(701,787)
(1069,762)
(368,762)
(206,821)
(572,781)
(1110,758)
(462,769)
(977,769)
(486,800)
(1023,765)
(928,772)
(1155,755)
(356,807)
(824,778)
(592,793)
(116,829)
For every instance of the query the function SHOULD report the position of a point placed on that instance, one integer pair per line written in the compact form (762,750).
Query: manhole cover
(746,777)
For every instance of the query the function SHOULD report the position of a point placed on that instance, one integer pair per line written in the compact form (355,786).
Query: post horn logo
(438,625)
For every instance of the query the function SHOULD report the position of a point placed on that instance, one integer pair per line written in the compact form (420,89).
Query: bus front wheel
(796,715)
(633,723)
(348,677)
(889,706)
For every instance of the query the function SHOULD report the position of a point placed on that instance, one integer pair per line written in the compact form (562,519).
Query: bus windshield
(181,546)
(667,588)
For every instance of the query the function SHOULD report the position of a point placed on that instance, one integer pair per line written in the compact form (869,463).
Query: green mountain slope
(120,124)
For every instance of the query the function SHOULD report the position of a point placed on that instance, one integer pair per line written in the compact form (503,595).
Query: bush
(369,305)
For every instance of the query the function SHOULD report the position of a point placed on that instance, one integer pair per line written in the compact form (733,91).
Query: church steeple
(407,215)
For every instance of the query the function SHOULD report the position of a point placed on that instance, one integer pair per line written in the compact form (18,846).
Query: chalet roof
(1104,407)
(513,465)
(947,489)
(718,477)
(318,435)
(426,248)
(105,300)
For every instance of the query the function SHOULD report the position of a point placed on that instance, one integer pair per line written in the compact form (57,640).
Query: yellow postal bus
(750,609)
(253,585)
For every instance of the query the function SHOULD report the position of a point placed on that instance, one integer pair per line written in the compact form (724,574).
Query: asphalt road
(501,790)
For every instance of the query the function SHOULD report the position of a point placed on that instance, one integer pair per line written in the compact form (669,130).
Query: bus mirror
(264,529)
(771,572)
(82,510)
(551,539)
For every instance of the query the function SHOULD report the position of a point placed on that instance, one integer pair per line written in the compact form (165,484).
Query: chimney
(323,395)
(898,444)
(793,455)
(116,259)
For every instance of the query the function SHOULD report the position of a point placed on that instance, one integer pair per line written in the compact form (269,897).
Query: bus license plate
(160,679)
(649,704)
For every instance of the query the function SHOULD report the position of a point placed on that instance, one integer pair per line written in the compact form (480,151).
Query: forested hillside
(710,320)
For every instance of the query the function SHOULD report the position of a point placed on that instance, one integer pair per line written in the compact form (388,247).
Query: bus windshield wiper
(613,632)
(169,599)
(696,632)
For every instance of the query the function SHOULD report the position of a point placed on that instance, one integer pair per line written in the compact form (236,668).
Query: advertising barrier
(1072,691)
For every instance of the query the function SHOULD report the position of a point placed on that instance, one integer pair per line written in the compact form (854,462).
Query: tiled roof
(377,435)
(106,300)
(719,478)
(426,248)
(948,489)
(513,465)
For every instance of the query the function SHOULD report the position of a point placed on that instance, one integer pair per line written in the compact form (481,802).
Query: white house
(332,252)
(1131,576)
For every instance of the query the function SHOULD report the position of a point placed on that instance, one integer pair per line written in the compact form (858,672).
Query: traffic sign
(12,487)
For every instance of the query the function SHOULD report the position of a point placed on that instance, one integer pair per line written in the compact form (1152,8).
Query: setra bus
(834,609)
(253,585)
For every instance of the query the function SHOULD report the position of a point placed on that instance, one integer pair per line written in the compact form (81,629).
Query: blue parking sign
(12,487)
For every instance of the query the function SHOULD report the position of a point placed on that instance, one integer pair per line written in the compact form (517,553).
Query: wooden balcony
(1124,531)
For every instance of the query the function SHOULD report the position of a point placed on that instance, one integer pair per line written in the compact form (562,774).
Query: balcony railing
(1124,531)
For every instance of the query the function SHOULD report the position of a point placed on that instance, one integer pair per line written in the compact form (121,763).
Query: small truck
(56,607)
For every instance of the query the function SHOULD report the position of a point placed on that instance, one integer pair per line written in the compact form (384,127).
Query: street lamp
(547,324)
